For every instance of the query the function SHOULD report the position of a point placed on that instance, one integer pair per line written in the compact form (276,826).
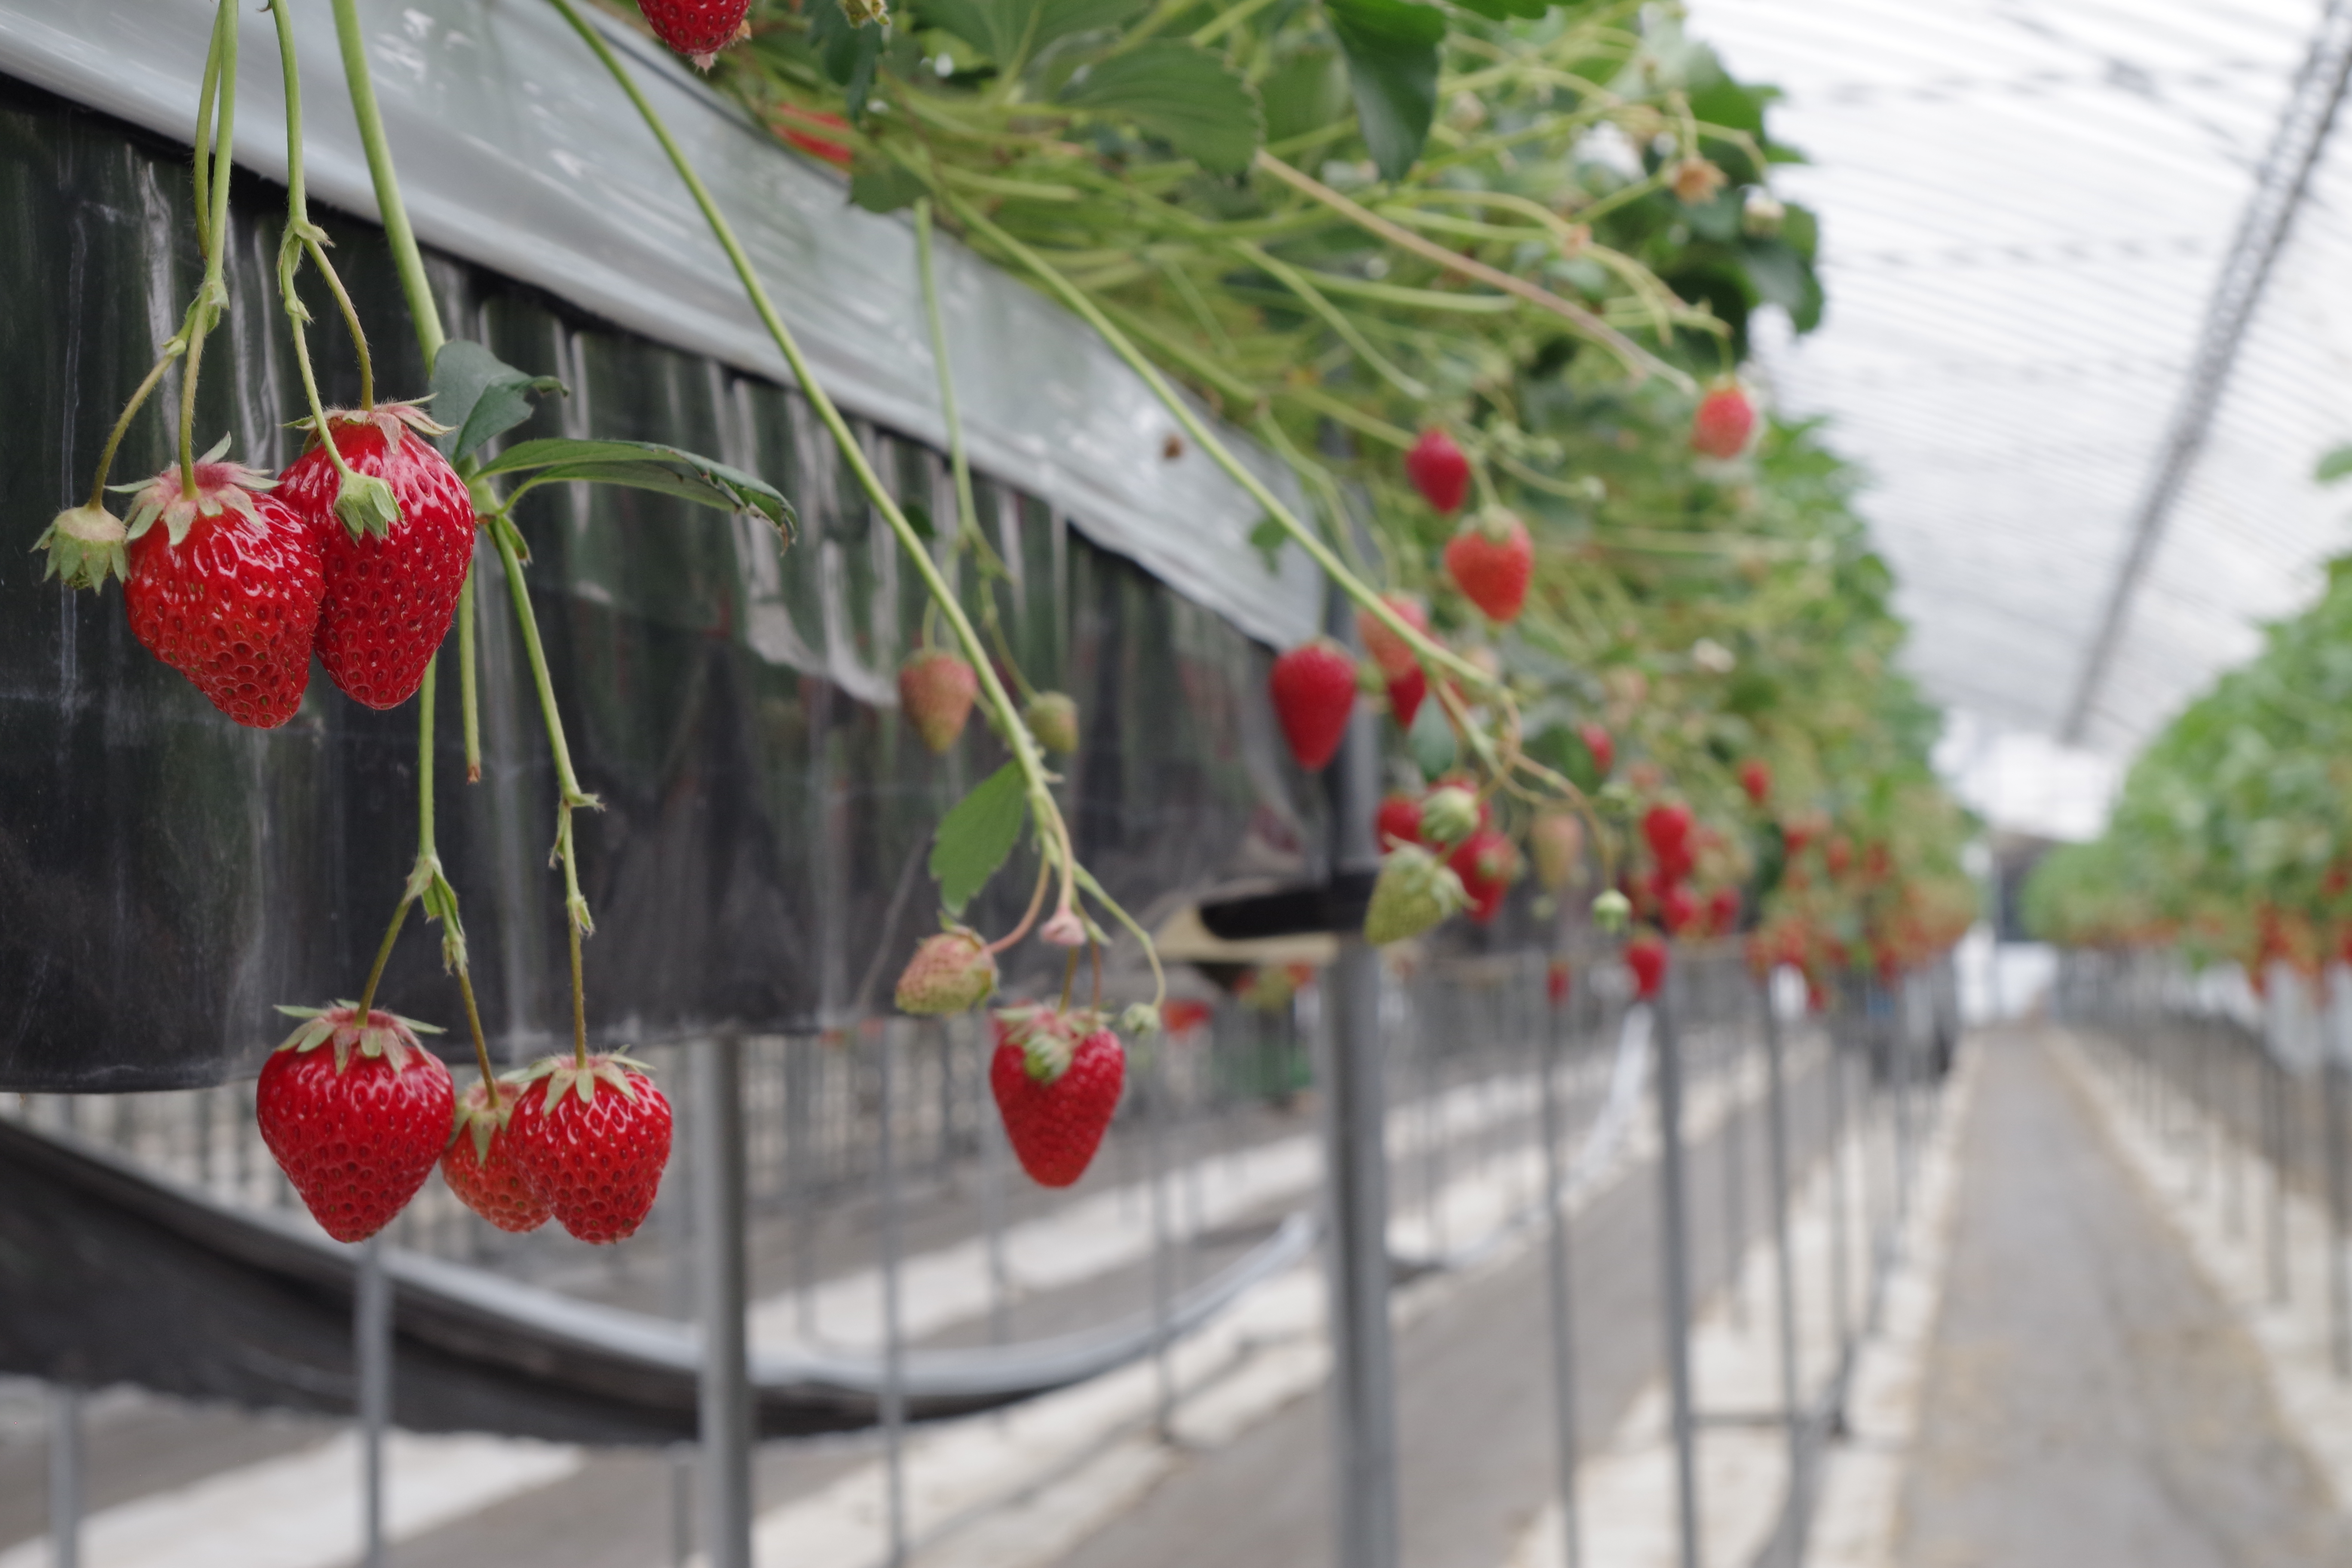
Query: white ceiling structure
(2026,210)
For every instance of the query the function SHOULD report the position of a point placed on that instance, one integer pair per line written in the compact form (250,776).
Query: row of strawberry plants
(1693,590)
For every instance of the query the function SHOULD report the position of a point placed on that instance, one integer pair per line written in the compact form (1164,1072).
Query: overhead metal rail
(2279,189)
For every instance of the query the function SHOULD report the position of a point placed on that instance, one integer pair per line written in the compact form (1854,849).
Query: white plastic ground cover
(518,154)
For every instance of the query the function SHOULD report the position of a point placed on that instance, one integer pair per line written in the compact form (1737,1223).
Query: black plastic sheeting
(165,877)
(111,1277)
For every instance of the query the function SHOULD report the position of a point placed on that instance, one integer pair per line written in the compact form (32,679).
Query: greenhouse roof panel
(2024,212)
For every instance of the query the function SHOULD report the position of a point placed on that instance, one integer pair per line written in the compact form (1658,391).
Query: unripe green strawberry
(948,972)
(1557,839)
(937,690)
(1052,718)
(1414,892)
(1449,815)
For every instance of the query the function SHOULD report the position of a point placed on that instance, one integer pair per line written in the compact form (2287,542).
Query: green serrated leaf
(849,53)
(881,186)
(1181,93)
(1013,32)
(1503,10)
(480,397)
(1391,48)
(1267,539)
(975,838)
(647,466)
(2334,466)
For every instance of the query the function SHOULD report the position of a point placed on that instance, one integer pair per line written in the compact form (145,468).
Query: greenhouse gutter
(518,153)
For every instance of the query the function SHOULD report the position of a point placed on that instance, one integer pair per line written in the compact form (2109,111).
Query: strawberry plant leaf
(1013,32)
(975,838)
(1181,93)
(646,466)
(1267,539)
(1391,48)
(2334,466)
(480,397)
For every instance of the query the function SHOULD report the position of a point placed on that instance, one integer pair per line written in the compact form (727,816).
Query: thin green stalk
(1024,746)
(213,296)
(205,98)
(570,796)
(958,460)
(171,351)
(405,256)
(1309,540)
(468,681)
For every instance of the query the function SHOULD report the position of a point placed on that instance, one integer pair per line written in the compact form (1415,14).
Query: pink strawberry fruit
(1313,688)
(1491,559)
(1755,778)
(1646,957)
(223,585)
(1487,863)
(1668,827)
(1722,423)
(1056,1076)
(1391,652)
(391,594)
(592,1140)
(697,29)
(355,1113)
(1439,472)
(1556,982)
(480,1163)
(937,690)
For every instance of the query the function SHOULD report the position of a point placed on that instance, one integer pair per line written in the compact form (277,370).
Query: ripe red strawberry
(480,1163)
(1398,821)
(1391,652)
(1755,778)
(937,690)
(1646,957)
(1724,421)
(1487,863)
(592,1142)
(948,972)
(390,595)
(224,586)
(1667,826)
(1439,470)
(1678,908)
(355,1114)
(1407,692)
(1603,746)
(790,122)
(1722,911)
(1491,559)
(1556,982)
(1056,1078)
(697,29)
(1313,688)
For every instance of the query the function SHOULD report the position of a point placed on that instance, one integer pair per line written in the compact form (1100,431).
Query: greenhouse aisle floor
(2090,1398)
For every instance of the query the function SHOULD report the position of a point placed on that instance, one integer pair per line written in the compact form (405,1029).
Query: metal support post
(1841,1262)
(1163,1251)
(1792,1548)
(1567,1447)
(894,1345)
(371,1364)
(1731,1058)
(726,1383)
(992,1150)
(1363,1377)
(1673,1255)
(66,1489)
(2275,1141)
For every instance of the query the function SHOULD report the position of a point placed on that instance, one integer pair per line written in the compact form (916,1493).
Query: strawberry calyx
(384,1035)
(221,489)
(562,1076)
(364,503)
(1048,1038)
(478,1118)
(1498,523)
(84,545)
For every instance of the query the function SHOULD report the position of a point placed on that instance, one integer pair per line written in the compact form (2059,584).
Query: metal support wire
(723,1286)
(2279,187)
(1793,1545)
(894,1344)
(1549,1044)
(65,1483)
(371,1364)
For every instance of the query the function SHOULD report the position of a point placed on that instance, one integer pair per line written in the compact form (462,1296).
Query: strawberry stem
(1069,978)
(218,138)
(1026,754)
(469,704)
(171,351)
(579,1003)
(481,1046)
(397,231)
(383,956)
